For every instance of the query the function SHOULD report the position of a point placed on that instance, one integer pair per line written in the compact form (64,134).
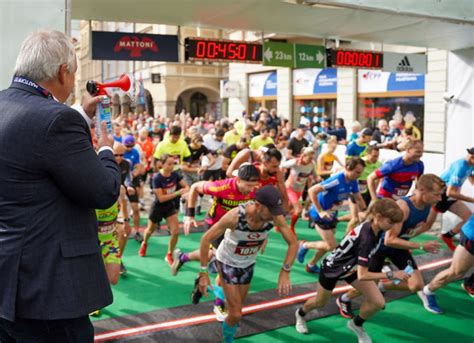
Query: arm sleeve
(87,179)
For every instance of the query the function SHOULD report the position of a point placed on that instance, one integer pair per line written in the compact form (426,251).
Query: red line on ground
(208,318)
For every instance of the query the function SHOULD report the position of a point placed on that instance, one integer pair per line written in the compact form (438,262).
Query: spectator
(51,267)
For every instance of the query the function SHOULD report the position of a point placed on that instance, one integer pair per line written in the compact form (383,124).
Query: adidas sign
(404,65)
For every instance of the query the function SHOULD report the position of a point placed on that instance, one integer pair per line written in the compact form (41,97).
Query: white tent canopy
(429,23)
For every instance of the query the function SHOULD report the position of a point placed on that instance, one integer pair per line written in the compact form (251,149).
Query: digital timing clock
(354,59)
(222,50)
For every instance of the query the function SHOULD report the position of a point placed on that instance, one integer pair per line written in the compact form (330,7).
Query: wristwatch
(126,220)
(389,274)
(286,268)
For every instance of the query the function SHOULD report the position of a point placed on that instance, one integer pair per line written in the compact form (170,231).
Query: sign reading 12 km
(354,59)
(223,50)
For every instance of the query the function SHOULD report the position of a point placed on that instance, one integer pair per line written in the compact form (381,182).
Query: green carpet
(403,320)
(149,285)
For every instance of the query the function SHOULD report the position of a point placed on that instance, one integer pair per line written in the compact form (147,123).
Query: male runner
(463,260)
(396,245)
(327,197)
(452,199)
(398,174)
(245,229)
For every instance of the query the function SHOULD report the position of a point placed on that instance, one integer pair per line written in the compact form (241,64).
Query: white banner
(230,89)
(404,63)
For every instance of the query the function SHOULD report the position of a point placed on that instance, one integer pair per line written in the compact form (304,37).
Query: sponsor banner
(376,81)
(134,46)
(230,89)
(263,84)
(311,81)
(404,63)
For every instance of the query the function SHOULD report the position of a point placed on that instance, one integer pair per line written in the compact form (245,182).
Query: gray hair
(42,53)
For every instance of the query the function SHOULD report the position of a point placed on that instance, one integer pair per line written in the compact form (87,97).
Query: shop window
(405,111)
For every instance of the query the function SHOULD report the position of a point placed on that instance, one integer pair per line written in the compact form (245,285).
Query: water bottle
(103,112)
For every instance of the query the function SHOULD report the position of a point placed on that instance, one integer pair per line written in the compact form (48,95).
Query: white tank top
(240,247)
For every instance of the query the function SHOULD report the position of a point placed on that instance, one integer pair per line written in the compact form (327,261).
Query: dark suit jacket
(51,180)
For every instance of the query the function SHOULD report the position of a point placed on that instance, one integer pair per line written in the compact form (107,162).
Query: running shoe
(301,326)
(123,270)
(469,289)
(95,313)
(196,294)
(345,308)
(429,302)
(449,241)
(220,312)
(142,250)
(169,259)
(177,264)
(302,251)
(138,237)
(313,269)
(362,336)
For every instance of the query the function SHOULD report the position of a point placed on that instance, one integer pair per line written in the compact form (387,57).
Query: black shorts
(212,175)
(133,198)
(329,283)
(467,243)
(233,275)
(326,224)
(445,203)
(367,198)
(399,257)
(161,211)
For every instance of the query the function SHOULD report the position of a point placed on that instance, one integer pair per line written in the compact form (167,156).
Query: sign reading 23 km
(222,50)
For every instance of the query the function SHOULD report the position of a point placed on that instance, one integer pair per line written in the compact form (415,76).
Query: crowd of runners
(263,174)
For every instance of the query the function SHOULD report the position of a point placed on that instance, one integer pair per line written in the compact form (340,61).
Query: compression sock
(218,292)
(229,332)
(358,321)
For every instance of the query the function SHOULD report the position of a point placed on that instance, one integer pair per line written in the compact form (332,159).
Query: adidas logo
(404,65)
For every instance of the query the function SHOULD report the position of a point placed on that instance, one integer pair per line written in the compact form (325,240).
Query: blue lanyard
(32,85)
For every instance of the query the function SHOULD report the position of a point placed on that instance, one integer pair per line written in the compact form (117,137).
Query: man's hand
(89,104)
(432,246)
(204,282)
(188,222)
(284,283)
(325,215)
(105,138)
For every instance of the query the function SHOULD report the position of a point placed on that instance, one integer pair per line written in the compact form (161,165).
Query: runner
(398,174)
(349,262)
(326,159)
(452,199)
(358,147)
(245,229)
(372,163)
(301,175)
(165,184)
(327,197)
(463,260)
(267,160)
(228,194)
(396,245)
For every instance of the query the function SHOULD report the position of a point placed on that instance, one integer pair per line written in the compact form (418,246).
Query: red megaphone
(96,88)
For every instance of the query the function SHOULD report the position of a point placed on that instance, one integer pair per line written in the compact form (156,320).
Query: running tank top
(414,220)
(240,247)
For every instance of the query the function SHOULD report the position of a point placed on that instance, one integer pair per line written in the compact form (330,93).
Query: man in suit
(51,180)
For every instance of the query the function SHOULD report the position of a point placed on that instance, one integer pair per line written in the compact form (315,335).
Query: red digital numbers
(357,59)
(224,50)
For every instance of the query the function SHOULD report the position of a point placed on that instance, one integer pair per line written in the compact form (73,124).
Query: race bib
(248,248)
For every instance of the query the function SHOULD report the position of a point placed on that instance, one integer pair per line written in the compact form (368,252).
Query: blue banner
(326,82)
(270,86)
(134,46)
